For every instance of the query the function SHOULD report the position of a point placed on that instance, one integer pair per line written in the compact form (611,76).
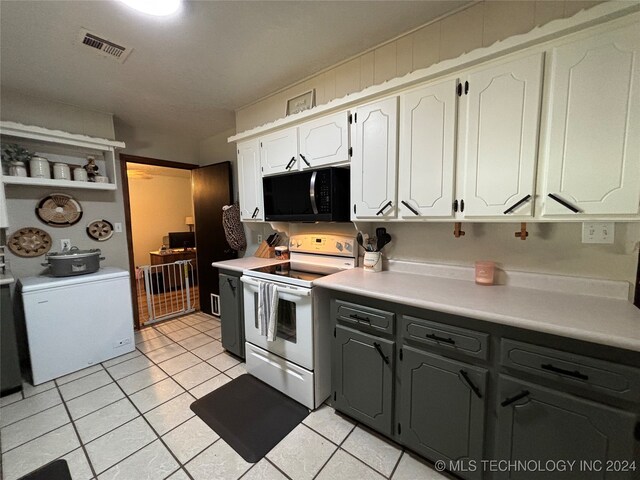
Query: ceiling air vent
(104,47)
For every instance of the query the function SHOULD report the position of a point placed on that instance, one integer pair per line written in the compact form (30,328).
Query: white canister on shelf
(17,169)
(39,167)
(61,171)
(80,175)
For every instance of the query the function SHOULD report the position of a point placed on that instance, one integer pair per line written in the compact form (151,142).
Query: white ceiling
(188,73)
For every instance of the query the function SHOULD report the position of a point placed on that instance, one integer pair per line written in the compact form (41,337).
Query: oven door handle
(312,192)
(298,292)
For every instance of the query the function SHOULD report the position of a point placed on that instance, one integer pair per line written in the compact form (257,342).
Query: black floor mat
(56,470)
(250,415)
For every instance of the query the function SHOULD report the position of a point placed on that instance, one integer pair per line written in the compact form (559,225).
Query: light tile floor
(129,418)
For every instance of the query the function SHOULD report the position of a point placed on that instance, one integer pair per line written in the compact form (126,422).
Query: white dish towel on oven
(267,310)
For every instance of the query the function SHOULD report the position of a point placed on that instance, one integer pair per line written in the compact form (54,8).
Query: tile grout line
(159,437)
(75,429)
(397,464)
(339,447)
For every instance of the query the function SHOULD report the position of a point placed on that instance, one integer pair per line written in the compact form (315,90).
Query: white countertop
(606,321)
(245,263)
(6,278)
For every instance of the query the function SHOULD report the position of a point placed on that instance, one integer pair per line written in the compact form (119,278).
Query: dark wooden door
(442,409)
(212,189)
(362,370)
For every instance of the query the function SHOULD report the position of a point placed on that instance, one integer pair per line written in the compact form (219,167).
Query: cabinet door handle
(471,385)
(515,398)
(255,212)
(413,210)
(384,357)
(466,88)
(432,336)
(359,318)
(455,205)
(462,205)
(290,164)
(517,204)
(562,371)
(564,203)
(305,160)
(387,205)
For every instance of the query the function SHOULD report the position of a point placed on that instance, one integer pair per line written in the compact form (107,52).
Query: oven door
(294,337)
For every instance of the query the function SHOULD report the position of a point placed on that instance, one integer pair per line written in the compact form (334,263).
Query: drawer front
(611,378)
(354,314)
(447,337)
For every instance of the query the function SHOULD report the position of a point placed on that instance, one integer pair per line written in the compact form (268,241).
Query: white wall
(156,144)
(481,24)
(21,201)
(159,205)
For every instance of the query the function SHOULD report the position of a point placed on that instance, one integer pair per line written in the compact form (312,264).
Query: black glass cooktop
(283,270)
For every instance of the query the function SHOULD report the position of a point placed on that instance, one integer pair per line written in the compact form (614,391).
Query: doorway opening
(160,230)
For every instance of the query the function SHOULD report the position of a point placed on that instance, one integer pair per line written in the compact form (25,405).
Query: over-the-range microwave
(309,196)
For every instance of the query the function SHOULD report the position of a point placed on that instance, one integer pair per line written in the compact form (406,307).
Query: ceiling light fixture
(159,8)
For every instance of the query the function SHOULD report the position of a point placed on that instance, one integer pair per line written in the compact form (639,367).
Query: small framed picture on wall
(301,102)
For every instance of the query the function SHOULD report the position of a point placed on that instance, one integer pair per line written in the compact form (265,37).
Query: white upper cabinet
(427,151)
(374,162)
(324,141)
(250,181)
(279,151)
(592,153)
(318,143)
(500,114)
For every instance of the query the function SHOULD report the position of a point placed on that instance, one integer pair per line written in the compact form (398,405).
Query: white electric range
(297,361)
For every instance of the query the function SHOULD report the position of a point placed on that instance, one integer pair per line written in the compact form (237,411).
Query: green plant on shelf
(12,152)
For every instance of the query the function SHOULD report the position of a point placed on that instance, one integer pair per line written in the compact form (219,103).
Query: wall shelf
(64,147)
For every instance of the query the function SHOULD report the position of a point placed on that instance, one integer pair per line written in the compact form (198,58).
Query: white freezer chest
(76,322)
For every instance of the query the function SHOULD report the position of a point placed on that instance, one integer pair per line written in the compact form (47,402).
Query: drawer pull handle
(562,371)
(450,341)
(359,318)
(521,395)
(471,385)
(384,357)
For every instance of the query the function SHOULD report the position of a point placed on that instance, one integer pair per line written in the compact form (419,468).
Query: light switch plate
(600,232)
(117,227)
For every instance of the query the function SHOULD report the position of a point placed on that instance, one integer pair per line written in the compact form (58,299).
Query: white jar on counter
(39,167)
(61,171)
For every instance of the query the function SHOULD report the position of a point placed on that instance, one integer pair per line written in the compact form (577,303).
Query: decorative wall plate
(29,242)
(59,210)
(100,230)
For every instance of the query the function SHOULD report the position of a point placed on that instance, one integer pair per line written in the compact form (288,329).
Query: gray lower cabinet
(362,369)
(232,314)
(540,424)
(442,409)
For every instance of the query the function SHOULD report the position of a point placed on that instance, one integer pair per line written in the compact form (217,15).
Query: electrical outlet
(117,227)
(65,244)
(600,232)
(259,239)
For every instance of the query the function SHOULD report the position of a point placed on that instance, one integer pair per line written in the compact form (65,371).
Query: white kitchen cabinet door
(427,151)
(279,152)
(374,162)
(250,181)
(324,141)
(593,128)
(500,113)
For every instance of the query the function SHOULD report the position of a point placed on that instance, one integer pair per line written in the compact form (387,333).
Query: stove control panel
(325,244)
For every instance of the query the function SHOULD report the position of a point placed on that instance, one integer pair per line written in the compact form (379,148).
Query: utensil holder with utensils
(373,249)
